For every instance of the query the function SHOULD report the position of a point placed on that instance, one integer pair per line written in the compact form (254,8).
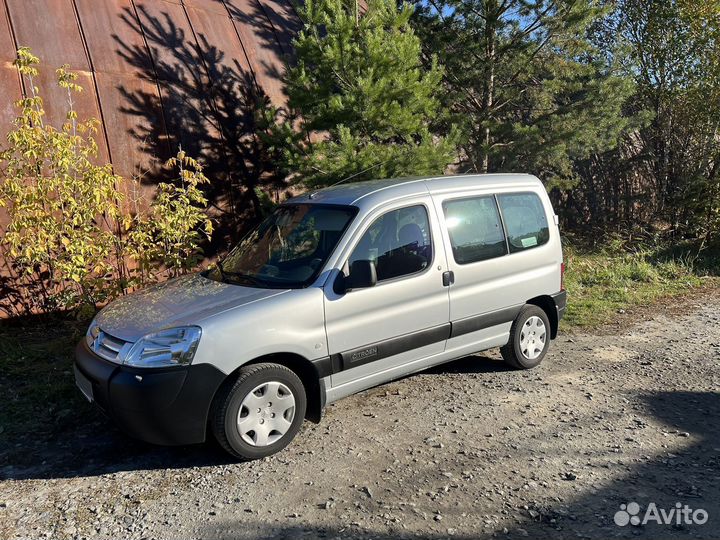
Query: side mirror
(362,275)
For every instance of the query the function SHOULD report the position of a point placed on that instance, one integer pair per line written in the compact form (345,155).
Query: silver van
(337,291)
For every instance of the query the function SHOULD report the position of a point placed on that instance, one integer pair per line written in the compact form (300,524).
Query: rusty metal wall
(152,70)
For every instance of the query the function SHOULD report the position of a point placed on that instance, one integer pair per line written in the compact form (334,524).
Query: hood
(179,301)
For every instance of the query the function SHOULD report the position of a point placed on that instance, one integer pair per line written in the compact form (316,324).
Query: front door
(375,332)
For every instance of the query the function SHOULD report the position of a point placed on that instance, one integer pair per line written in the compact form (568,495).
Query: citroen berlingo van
(338,290)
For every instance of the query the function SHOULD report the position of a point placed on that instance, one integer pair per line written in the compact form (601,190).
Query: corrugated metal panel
(168,34)
(157,72)
(50,28)
(284,21)
(181,74)
(10,89)
(114,40)
(7,43)
(261,46)
(212,6)
(126,85)
(174,48)
(133,116)
(218,41)
(9,80)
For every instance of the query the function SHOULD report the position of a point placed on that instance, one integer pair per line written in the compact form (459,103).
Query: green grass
(602,282)
(36,378)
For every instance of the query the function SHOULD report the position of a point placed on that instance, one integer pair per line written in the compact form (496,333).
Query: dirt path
(470,450)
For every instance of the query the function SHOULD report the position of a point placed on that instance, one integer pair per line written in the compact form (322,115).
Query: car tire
(529,338)
(259,412)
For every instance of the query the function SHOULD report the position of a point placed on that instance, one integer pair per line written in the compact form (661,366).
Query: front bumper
(160,406)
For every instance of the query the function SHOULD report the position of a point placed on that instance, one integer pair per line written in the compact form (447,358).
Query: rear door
(373,333)
(493,277)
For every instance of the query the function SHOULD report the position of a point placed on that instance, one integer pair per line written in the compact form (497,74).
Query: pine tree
(362,99)
(531,90)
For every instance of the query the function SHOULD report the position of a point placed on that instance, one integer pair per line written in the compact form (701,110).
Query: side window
(525,220)
(476,233)
(398,242)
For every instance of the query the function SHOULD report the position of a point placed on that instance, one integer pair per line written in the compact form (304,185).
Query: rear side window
(525,220)
(476,233)
(398,242)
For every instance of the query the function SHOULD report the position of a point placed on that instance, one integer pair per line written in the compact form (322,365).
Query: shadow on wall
(160,75)
(211,106)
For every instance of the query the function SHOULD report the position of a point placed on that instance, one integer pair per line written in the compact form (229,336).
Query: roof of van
(356,193)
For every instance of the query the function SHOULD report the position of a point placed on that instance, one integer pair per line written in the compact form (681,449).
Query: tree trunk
(491,23)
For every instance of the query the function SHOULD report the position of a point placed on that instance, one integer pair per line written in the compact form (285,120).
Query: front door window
(398,242)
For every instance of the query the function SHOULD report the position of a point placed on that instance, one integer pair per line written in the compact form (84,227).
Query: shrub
(167,238)
(60,205)
(69,241)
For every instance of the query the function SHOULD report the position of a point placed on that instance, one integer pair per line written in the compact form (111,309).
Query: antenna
(359,173)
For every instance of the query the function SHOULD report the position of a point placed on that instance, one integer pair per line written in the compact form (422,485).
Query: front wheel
(529,338)
(260,412)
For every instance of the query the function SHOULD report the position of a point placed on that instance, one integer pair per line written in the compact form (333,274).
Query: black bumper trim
(560,299)
(372,352)
(160,406)
(486,320)
(390,347)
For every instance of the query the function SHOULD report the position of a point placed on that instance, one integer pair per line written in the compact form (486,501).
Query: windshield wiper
(219,266)
(241,276)
(228,276)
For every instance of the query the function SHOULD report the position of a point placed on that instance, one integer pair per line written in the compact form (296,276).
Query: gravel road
(629,413)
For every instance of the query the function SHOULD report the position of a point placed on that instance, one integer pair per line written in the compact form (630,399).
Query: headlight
(92,333)
(171,347)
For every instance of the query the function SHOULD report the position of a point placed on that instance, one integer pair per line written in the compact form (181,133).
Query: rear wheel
(529,338)
(260,412)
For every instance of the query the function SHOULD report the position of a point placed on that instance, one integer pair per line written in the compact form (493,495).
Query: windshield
(288,249)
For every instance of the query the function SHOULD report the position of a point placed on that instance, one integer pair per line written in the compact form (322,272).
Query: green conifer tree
(530,89)
(362,99)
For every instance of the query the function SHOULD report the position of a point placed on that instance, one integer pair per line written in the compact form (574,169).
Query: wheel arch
(308,374)
(547,304)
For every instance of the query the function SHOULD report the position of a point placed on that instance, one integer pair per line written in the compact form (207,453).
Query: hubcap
(266,414)
(532,338)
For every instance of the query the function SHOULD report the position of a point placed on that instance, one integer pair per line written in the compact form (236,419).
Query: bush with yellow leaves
(68,242)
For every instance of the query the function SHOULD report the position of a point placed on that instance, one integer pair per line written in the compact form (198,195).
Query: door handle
(448,278)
